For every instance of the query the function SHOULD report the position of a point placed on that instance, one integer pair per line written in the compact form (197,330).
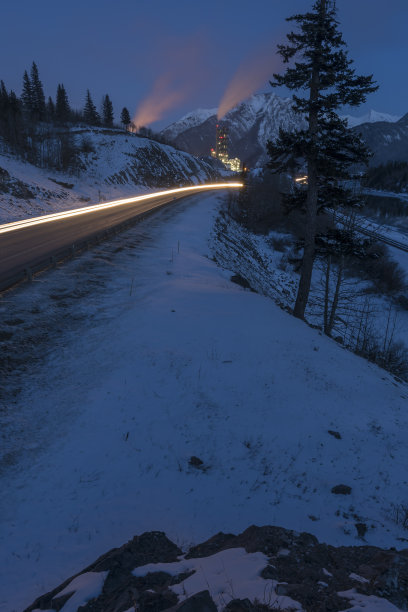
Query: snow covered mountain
(192,119)
(371,117)
(112,164)
(387,141)
(251,124)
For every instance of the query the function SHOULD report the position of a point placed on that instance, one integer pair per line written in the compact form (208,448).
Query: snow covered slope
(114,164)
(141,355)
(388,141)
(192,119)
(251,124)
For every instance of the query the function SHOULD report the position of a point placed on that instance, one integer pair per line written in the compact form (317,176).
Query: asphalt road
(32,244)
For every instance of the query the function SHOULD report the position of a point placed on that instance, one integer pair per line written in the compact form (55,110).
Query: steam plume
(163,97)
(180,63)
(250,76)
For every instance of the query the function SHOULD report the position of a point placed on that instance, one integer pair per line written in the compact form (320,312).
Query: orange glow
(180,64)
(250,76)
(163,97)
(16,225)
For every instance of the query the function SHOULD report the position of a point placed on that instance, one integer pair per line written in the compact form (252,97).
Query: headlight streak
(17,225)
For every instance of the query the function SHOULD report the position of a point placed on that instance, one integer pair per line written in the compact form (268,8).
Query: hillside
(255,121)
(112,164)
(387,141)
(147,392)
(389,177)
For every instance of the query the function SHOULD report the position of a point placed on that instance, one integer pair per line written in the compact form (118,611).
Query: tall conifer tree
(326,148)
(125,117)
(27,94)
(38,97)
(4,98)
(62,108)
(50,109)
(91,115)
(107,111)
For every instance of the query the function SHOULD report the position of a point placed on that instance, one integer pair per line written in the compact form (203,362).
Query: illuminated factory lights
(302,180)
(221,149)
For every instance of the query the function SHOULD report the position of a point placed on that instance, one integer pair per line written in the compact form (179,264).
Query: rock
(341,489)
(150,547)
(245,605)
(361,529)
(215,544)
(200,602)
(335,434)
(298,573)
(196,461)
(239,605)
(268,540)
(241,281)
(155,602)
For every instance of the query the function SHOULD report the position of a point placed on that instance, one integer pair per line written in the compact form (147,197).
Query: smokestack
(221,141)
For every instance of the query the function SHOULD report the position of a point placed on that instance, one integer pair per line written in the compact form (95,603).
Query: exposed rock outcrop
(299,573)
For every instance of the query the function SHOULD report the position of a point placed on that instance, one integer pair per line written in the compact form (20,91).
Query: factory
(221,149)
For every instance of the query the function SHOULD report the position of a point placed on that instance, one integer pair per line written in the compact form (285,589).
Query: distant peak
(371,117)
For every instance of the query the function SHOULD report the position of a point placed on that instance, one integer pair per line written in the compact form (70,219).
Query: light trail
(16,225)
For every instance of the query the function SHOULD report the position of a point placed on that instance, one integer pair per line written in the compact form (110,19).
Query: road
(33,244)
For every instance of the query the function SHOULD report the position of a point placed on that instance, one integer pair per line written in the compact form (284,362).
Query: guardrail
(403,246)
(381,238)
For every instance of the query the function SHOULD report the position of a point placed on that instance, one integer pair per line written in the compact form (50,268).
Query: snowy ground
(117,165)
(263,262)
(154,356)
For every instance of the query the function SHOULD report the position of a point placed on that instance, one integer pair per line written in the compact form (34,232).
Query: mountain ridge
(258,119)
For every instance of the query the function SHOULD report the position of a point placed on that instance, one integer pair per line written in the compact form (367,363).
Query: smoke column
(163,97)
(183,72)
(250,76)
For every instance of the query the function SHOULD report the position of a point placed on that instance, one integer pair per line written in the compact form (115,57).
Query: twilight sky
(177,55)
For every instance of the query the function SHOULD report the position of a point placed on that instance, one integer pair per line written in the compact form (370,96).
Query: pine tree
(50,109)
(339,246)
(91,115)
(27,94)
(107,111)
(15,134)
(326,148)
(4,108)
(38,98)
(62,108)
(4,100)
(125,118)
(244,209)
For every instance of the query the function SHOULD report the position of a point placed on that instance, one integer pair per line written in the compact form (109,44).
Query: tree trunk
(312,182)
(336,296)
(309,245)
(326,297)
